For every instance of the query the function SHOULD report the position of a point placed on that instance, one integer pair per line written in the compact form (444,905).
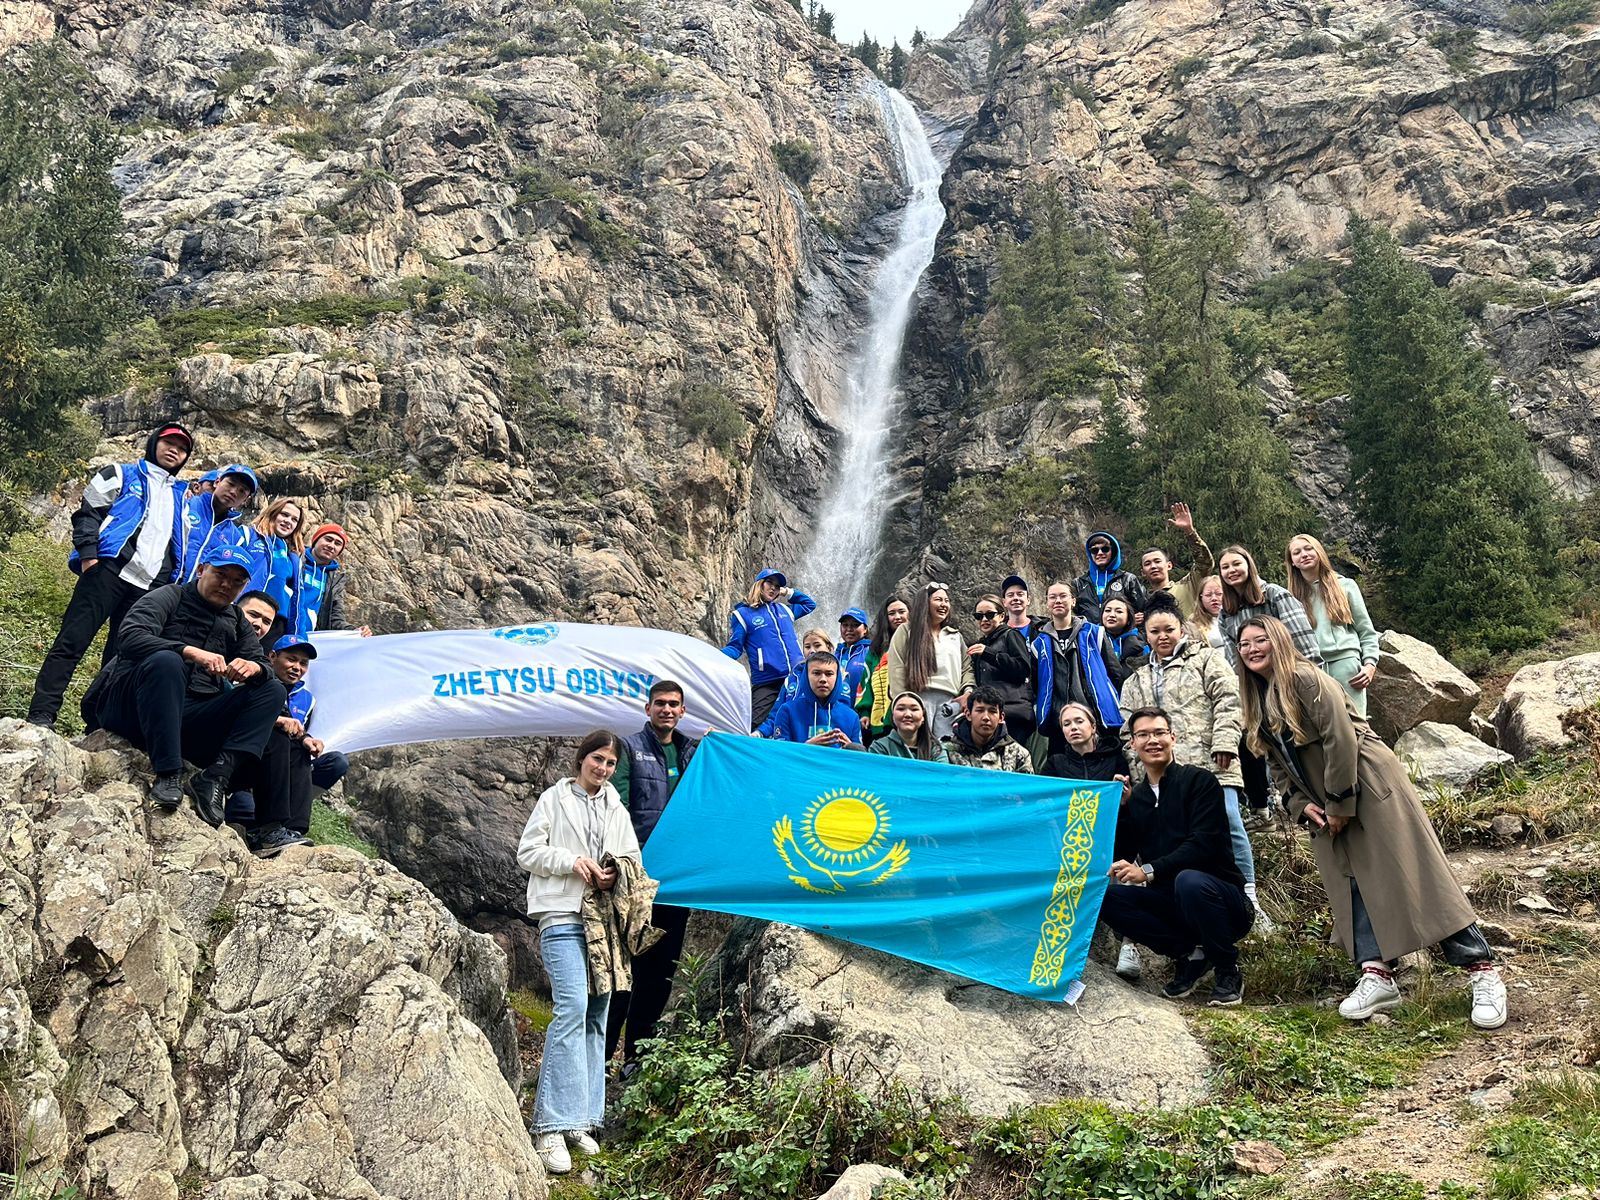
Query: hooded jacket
(1062,678)
(318,601)
(1006,665)
(1200,693)
(797,683)
(764,634)
(119,502)
(894,745)
(567,823)
(1095,586)
(801,719)
(1003,753)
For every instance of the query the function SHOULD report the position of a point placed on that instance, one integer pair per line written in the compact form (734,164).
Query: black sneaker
(210,796)
(1227,990)
(42,721)
(166,793)
(629,1070)
(1186,976)
(268,843)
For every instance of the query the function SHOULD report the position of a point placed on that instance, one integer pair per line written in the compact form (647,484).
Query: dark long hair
(881,633)
(921,658)
(600,739)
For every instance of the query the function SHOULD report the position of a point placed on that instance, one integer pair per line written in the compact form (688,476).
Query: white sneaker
(1128,964)
(1374,993)
(552,1151)
(580,1141)
(1488,998)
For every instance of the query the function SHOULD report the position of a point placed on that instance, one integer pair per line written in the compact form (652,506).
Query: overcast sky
(887,20)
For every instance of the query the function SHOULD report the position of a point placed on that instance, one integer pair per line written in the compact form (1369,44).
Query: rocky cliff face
(1438,120)
(179,1018)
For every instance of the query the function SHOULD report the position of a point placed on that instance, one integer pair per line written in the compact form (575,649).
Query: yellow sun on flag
(844,826)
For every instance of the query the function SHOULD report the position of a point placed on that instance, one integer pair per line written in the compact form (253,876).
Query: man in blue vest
(210,518)
(124,541)
(645,778)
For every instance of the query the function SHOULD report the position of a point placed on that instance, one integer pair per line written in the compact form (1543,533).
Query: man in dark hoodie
(192,681)
(1175,886)
(1105,579)
(124,543)
(980,740)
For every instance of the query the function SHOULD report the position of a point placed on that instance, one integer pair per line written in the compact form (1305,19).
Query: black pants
(653,970)
(99,597)
(1255,777)
(1464,948)
(148,703)
(1197,910)
(762,697)
(280,781)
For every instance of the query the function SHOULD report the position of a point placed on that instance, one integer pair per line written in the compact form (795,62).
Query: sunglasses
(984,616)
(937,587)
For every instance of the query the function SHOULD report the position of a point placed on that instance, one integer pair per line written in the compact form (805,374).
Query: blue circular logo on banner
(529,635)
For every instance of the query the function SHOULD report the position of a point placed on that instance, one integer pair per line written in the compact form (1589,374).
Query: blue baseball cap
(210,477)
(777,577)
(289,642)
(224,555)
(857,615)
(240,469)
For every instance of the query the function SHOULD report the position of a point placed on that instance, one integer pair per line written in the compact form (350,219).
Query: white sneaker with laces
(580,1141)
(552,1151)
(1374,993)
(1488,998)
(1128,964)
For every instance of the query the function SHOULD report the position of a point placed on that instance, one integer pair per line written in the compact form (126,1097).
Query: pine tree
(65,279)
(867,50)
(1016,28)
(1206,439)
(1445,479)
(823,23)
(1115,460)
(917,38)
(897,65)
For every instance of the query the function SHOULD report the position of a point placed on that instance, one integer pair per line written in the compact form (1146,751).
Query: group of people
(208,614)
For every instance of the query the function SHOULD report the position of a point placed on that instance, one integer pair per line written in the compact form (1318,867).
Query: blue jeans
(572,1074)
(1243,856)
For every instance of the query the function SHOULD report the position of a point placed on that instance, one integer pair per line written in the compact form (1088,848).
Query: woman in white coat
(576,822)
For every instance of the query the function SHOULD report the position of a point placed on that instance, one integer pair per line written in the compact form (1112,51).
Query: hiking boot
(41,720)
(1186,976)
(210,796)
(1257,819)
(166,793)
(1227,990)
(552,1151)
(1488,997)
(1375,992)
(269,843)
(1128,964)
(580,1141)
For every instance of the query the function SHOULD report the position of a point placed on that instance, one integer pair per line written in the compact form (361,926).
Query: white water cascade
(844,550)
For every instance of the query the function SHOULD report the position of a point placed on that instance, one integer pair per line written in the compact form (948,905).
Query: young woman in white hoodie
(575,823)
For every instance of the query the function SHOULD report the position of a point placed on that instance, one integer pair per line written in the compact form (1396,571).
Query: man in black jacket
(646,776)
(191,681)
(1175,886)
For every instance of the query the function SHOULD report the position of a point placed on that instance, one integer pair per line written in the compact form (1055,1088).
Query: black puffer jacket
(175,616)
(1006,665)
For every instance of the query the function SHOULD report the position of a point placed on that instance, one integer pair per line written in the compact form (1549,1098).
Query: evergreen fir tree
(823,23)
(1016,27)
(1445,479)
(1117,469)
(917,38)
(867,50)
(897,65)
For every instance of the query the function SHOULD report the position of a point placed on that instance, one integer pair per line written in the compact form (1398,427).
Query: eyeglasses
(1100,548)
(984,616)
(1151,735)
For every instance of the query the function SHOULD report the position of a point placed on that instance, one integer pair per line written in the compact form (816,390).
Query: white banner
(550,680)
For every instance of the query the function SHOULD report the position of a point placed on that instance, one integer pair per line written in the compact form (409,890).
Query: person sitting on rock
(1156,565)
(175,692)
(854,645)
(124,544)
(980,740)
(818,717)
(1175,886)
(211,518)
(762,630)
(1105,579)
(649,769)
(319,584)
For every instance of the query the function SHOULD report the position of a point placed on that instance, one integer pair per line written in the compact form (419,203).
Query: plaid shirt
(1280,603)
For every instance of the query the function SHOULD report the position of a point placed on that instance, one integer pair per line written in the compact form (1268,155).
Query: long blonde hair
(753,598)
(1200,621)
(296,541)
(1334,602)
(1232,599)
(1275,702)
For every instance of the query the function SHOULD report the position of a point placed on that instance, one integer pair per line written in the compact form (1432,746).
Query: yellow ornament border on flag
(1077,851)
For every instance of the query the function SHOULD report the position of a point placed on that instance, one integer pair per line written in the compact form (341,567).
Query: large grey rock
(1529,718)
(174,1009)
(878,1017)
(1416,683)
(862,1182)
(1449,757)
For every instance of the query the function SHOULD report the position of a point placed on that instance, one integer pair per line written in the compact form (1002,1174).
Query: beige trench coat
(1389,848)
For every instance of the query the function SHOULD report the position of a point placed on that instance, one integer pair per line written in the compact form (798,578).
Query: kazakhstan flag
(988,874)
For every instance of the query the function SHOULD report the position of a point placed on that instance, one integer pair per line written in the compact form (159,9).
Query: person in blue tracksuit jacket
(762,630)
(124,539)
(275,543)
(211,518)
(854,643)
(817,716)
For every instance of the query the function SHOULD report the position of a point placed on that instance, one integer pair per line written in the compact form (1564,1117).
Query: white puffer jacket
(566,824)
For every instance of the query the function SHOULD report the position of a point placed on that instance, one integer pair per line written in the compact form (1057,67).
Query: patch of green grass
(1535,21)
(1459,47)
(37,588)
(532,1008)
(1552,1142)
(1556,794)
(243,72)
(1307,45)
(329,827)
(1571,886)
(710,414)
(1496,891)
(1093,12)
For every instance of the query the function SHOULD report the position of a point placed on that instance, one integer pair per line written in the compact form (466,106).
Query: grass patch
(1308,45)
(1496,891)
(1552,1142)
(329,827)
(1556,794)
(37,588)
(532,1008)
(1572,886)
(1535,21)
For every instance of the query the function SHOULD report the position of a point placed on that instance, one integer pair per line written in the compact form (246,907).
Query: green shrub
(1193,64)
(244,70)
(1307,45)
(707,412)
(1303,315)
(536,182)
(798,160)
(1459,47)
(1093,12)
(1535,21)
(37,588)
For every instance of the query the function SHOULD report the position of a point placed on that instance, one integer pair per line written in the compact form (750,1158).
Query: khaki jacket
(616,926)
(1200,692)
(1389,848)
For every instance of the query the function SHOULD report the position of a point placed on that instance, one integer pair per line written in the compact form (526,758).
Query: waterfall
(844,547)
